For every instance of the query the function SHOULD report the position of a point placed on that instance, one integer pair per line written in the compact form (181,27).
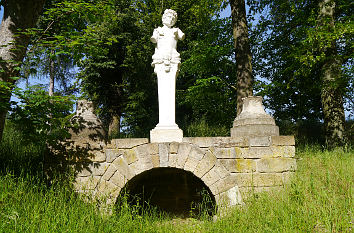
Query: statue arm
(180,34)
(155,36)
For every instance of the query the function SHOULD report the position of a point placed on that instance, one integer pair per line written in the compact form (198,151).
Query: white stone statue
(166,63)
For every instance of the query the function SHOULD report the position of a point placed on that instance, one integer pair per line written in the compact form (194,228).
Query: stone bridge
(175,175)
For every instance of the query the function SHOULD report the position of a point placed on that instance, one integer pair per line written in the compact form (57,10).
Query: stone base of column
(165,135)
(255,130)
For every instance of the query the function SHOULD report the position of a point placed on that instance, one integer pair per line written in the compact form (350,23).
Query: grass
(319,198)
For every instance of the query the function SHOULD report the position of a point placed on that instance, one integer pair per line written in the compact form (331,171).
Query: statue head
(169,17)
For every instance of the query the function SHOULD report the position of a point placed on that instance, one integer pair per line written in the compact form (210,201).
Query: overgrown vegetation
(318,199)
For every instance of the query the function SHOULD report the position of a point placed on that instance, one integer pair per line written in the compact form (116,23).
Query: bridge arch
(129,167)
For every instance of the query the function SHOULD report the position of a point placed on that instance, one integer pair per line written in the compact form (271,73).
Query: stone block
(221,170)
(211,177)
(247,192)
(123,167)
(118,179)
(191,164)
(112,154)
(128,143)
(276,165)
(226,183)
(142,151)
(97,169)
(183,152)
(255,130)
(143,164)
(241,152)
(174,147)
(98,156)
(239,165)
(224,153)
(86,183)
(109,172)
(130,156)
(200,141)
(229,198)
(263,141)
(166,135)
(155,159)
(208,161)
(235,142)
(259,152)
(283,140)
(259,179)
(163,153)
(172,160)
(283,151)
(153,148)
(105,188)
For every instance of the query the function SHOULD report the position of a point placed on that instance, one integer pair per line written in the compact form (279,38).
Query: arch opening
(171,190)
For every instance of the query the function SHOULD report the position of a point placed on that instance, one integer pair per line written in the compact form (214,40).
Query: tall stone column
(166,61)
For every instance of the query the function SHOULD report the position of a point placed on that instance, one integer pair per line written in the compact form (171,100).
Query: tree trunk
(331,93)
(242,52)
(114,126)
(18,14)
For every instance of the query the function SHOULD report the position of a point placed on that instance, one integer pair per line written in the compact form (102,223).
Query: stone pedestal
(166,130)
(253,120)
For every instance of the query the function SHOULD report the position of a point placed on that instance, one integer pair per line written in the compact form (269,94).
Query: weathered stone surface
(183,152)
(221,170)
(247,192)
(130,156)
(163,153)
(263,141)
(208,161)
(259,179)
(172,160)
(98,156)
(259,152)
(143,164)
(227,183)
(155,159)
(239,165)
(123,167)
(112,154)
(158,135)
(128,143)
(193,159)
(86,183)
(174,147)
(142,151)
(283,140)
(105,188)
(118,179)
(231,197)
(205,142)
(109,172)
(255,130)
(224,153)
(97,169)
(283,151)
(241,152)
(153,148)
(211,177)
(276,165)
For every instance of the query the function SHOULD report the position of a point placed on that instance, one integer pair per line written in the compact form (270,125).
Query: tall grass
(318,199)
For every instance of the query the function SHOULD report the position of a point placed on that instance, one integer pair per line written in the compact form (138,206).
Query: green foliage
(202,129)
(41,118)
(289,49)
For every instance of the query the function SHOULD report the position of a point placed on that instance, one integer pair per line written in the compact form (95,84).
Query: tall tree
(332,83)
(19,15)
(304,49)
(242,52)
